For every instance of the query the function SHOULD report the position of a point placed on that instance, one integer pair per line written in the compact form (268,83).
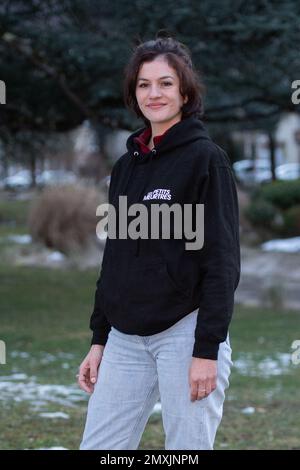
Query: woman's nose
(154,92)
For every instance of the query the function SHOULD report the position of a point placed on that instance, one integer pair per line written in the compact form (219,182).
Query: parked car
(20,180)
(54,177)
(288,171)
(249,173)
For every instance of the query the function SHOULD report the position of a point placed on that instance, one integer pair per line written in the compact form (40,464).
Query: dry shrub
(64,218)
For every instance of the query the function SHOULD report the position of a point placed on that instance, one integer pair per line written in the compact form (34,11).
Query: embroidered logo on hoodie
(158,194)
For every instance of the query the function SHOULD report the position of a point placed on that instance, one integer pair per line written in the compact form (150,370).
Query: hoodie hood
(182,133)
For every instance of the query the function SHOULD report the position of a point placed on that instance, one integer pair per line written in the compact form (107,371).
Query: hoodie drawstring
(132,162)
(153,152)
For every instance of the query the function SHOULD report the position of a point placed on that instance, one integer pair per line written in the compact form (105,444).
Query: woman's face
(157,92)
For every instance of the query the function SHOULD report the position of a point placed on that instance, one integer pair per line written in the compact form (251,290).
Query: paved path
(269,279)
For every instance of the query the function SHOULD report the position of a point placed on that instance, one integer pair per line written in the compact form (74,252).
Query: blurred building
(255,144)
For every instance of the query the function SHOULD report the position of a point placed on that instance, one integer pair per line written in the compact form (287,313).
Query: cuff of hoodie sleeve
(99,338)
(206,350)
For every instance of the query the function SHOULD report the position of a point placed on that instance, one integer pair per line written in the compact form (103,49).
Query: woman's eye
(143,85)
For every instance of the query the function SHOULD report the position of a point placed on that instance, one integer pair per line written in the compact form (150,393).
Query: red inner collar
(144,138)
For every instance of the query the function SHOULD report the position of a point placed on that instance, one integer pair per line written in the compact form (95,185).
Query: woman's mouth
(155,106)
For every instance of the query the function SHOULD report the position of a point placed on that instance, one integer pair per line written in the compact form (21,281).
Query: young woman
(162,309)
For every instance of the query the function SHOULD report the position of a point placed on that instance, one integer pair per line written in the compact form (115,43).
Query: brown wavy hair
(178,57)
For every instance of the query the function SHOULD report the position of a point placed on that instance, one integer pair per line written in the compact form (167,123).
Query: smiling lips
(155,106)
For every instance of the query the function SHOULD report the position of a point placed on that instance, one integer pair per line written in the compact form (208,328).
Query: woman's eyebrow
(146,79)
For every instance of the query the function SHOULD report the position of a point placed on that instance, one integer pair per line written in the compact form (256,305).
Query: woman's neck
(150,143)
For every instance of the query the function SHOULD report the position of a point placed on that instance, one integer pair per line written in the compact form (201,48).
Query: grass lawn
(44,323)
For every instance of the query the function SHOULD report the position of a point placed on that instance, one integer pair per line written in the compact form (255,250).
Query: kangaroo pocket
(151,294)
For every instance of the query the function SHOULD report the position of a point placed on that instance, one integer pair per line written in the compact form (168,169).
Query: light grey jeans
(137,371)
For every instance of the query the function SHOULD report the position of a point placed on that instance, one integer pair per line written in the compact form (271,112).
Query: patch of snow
(51,448)
(288,245)
(15,376)
(22,354)
(247,364)
(249,410)
(57,414)
(156,408)
(16,388)
(56,256)
(42,357)
(21,239)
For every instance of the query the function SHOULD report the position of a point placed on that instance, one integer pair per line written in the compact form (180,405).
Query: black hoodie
(146,285)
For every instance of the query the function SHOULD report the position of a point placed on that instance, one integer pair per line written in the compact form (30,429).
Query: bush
(261,213)
(292,221)
(275,207)
(282,194)
(64,218)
